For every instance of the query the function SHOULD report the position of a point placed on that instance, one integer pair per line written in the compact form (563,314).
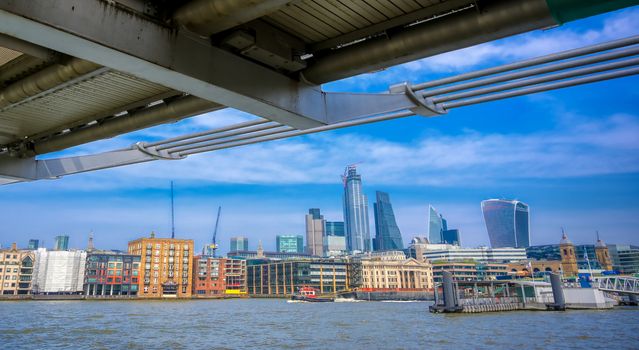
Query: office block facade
(335,228)
(112,274)
(314,232)
(289,243)
(239,243)
(286,277)
(61,243)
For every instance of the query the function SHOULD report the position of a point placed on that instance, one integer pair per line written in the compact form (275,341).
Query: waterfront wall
(393,295)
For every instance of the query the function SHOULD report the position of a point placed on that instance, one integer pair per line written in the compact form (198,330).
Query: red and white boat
(309,294)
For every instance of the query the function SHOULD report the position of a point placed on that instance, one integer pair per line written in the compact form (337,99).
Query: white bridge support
(619,284)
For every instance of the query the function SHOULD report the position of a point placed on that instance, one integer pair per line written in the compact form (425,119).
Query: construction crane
(346,169)
(213,246)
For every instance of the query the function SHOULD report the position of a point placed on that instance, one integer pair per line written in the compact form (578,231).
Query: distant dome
(600,243)
(419,240)
(564,239)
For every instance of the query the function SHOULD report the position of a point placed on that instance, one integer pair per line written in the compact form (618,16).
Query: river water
(276,324)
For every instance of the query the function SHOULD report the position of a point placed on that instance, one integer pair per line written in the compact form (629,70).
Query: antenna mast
(172,214)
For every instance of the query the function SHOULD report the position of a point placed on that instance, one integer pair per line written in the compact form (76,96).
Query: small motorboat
(309,294)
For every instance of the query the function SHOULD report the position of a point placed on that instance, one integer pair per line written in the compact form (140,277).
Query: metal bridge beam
(106,34)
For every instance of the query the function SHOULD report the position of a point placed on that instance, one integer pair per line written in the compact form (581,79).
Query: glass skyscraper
(290,243)
(507,223)
(436,226)
(61,243)
(335,228)
(451,237)
(355,212)
(239,243)
(34,244)
(387,234)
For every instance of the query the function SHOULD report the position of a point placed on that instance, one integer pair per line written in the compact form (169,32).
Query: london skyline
(569,154)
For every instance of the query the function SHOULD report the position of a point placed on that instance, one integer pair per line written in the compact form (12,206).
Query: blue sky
(572,155)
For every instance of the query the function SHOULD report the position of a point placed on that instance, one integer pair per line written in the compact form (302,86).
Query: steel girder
(111,36)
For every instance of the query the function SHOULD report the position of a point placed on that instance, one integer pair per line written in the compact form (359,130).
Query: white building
(59,271)
(334,245)
(421,249)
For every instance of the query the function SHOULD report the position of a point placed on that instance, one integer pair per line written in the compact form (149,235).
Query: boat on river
(310,294)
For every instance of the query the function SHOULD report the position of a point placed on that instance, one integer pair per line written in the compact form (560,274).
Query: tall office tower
(61,243)
(239,243)
(34,244)
(290,243)
(451,237)
(435,226)
(315,232)
(335,228)
(387,234)
(507,222)
(355,212)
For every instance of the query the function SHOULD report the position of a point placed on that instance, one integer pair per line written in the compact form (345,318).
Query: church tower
(568,257)
(603,256)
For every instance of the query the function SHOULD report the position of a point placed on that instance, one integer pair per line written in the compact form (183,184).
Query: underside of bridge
(76,71)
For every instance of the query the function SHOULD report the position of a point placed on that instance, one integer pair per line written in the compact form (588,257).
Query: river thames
(276,324)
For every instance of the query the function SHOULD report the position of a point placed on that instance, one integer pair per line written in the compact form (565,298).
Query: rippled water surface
(276,324)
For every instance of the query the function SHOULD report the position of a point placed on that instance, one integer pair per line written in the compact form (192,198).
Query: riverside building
(596,256)
(285,277)
(16,271)
(391,270)
(469,270)
(218,277)
(426,251)
(111,274)
(59,271)
(624,258)
(166,266)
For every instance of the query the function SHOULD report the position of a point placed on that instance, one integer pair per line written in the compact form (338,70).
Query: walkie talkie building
(507,223)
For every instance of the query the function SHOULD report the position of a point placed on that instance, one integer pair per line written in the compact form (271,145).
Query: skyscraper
(61,243)
(335,228)
(436,226)
(355,212)
(239,243)
(315,232)
(451,237)
(507,223)
(290,243)
(34,244)
(387,234)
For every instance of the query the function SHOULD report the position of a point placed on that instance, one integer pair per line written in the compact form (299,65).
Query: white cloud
(532,44)
(577,147)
